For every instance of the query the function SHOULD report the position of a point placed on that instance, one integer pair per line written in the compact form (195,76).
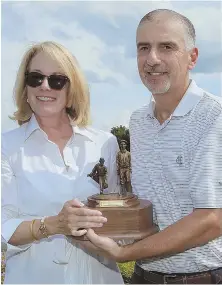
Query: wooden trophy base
(127,216)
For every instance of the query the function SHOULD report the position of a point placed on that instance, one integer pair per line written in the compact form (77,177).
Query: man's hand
(102,245)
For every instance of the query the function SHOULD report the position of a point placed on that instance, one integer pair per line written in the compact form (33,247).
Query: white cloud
(137,9)
(209,82)
(90,49)
(132,9)
(87,47)
(122,118)
(210,31)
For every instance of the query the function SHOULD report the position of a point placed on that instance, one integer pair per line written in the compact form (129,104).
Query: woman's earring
(27,100)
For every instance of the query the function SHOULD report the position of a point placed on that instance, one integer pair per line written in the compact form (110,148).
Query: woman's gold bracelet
(31,229)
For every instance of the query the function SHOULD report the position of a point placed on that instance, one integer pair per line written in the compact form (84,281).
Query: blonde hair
(78,102)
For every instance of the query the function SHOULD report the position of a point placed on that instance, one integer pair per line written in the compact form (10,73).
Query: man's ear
(193,56)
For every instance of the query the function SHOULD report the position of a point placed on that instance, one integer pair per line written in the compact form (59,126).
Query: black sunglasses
(55,81)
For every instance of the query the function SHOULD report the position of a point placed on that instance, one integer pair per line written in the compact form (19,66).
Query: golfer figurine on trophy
(123,164)
(99,174)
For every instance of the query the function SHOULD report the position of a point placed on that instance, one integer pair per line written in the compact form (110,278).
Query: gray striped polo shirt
(178,167)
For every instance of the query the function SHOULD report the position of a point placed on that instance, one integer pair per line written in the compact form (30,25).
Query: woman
(45,163)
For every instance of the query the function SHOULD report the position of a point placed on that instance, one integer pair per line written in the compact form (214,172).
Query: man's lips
(155,73)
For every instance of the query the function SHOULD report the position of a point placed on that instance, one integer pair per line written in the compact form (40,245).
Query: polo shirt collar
(190,99)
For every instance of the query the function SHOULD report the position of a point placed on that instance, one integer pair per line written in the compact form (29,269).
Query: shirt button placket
(68,158)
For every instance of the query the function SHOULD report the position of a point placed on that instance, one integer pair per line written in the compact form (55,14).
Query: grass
(126,270)
(2,267)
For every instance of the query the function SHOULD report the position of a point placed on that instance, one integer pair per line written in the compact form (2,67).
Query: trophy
(127,216)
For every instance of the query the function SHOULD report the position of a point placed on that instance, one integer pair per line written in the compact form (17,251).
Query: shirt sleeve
(206,169)
(10,211)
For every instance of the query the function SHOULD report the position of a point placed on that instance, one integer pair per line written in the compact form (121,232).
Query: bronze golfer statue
(123,164)
(99,174)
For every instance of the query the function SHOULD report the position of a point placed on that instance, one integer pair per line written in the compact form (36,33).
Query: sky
(101,35)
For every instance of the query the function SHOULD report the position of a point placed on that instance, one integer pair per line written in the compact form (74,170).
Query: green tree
(122,133)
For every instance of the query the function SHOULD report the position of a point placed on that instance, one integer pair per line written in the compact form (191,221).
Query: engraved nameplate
(112,203)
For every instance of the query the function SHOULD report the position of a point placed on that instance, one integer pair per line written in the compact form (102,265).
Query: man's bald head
(166,15)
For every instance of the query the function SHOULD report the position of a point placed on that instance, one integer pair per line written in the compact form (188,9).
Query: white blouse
(36,182)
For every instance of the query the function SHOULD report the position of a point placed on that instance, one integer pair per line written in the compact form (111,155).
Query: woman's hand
(74,219)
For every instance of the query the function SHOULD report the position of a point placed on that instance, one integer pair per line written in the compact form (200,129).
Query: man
(99,174)
(176,152)
(123,165)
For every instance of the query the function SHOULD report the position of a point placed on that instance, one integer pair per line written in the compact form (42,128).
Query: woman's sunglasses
(55,81)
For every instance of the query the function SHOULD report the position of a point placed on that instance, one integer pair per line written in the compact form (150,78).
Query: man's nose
(153,58)
(45,84)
